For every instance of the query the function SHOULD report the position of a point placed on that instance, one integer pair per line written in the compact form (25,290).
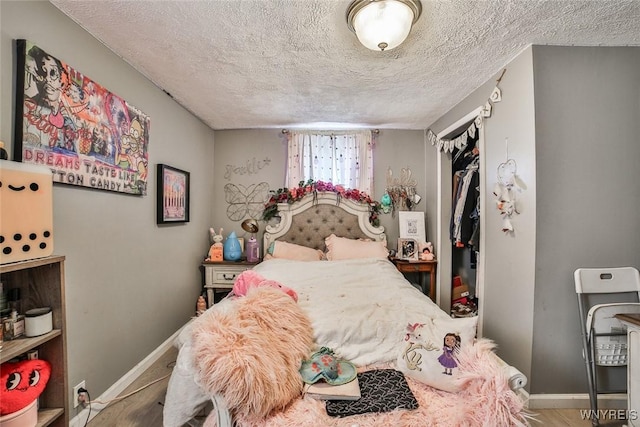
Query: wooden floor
(565,417)
(144,409)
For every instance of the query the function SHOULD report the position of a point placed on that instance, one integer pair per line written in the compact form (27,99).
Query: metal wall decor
(401,191)
(245,202)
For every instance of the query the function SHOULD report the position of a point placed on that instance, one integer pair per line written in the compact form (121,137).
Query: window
(342,158)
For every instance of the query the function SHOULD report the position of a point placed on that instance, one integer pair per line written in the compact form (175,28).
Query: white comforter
(360,307)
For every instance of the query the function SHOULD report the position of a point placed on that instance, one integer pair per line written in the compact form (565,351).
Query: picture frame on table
(412,225)
(407,249)
(172,194)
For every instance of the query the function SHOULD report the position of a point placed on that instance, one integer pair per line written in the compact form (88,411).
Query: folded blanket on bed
(381,390)
(249,350)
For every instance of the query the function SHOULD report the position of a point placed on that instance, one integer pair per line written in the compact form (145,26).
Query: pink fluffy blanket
(485,400)
(249,350)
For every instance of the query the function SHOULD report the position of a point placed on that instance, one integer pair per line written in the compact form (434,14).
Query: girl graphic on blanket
(448,356)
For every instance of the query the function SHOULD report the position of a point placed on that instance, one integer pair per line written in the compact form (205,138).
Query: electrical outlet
(75,393)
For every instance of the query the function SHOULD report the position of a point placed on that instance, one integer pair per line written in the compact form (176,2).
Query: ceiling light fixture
(382,24)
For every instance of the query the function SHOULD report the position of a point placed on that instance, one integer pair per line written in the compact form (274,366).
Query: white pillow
(342,248)
(429,352)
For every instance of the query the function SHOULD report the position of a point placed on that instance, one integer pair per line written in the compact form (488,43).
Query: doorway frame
(444,206)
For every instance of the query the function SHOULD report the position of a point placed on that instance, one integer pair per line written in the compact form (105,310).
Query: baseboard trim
(125,381)
(524,396)
(575,401)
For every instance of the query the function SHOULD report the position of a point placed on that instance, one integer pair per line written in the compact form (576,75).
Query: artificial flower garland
(292,195)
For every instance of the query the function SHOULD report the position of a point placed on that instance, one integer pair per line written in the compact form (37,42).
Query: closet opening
(464,230)
(461,241)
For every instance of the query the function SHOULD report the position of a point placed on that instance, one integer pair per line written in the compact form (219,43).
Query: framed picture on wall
(173,195)
(88,136)
(412,225)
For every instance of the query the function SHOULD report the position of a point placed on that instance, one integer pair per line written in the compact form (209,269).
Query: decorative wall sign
(250,167)
(86,135)
(173,195)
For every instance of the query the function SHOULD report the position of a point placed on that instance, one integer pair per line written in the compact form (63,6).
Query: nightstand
(421,268)
(222,275)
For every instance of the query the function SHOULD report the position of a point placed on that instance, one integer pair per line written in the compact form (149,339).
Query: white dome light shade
(383,24)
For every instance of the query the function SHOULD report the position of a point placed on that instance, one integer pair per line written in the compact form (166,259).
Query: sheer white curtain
(342,158)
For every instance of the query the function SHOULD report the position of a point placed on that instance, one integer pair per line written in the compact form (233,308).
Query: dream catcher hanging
(506,190)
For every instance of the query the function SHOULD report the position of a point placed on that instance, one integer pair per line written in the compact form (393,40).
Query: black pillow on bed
(381,390)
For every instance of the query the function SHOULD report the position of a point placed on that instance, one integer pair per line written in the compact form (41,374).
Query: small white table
(222,275)
(633,366)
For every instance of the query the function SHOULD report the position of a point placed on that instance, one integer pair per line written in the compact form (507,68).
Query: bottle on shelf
(13,327)
(3,152)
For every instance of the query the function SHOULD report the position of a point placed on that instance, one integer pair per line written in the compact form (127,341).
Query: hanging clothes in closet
(465,215)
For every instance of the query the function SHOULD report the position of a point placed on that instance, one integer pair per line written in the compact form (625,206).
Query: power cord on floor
(88,400)
(119,398)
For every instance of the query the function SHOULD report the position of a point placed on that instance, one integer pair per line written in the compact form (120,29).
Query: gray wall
(129,283)
(587,150)
(240,160)
(571,116)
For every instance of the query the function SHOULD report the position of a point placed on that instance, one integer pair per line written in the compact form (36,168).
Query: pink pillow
(342,248)
(286,250)
(430,351)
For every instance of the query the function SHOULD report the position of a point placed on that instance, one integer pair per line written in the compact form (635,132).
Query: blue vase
(232,250)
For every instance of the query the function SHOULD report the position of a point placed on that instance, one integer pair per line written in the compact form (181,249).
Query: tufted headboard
(308,221)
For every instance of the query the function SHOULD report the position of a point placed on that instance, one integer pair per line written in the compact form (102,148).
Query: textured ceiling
(240,64)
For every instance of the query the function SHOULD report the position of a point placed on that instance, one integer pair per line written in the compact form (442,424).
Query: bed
(355,303)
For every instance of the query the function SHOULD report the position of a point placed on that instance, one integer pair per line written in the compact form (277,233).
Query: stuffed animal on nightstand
(216,249)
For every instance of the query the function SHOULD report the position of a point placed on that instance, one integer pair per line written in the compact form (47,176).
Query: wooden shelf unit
(41,283)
